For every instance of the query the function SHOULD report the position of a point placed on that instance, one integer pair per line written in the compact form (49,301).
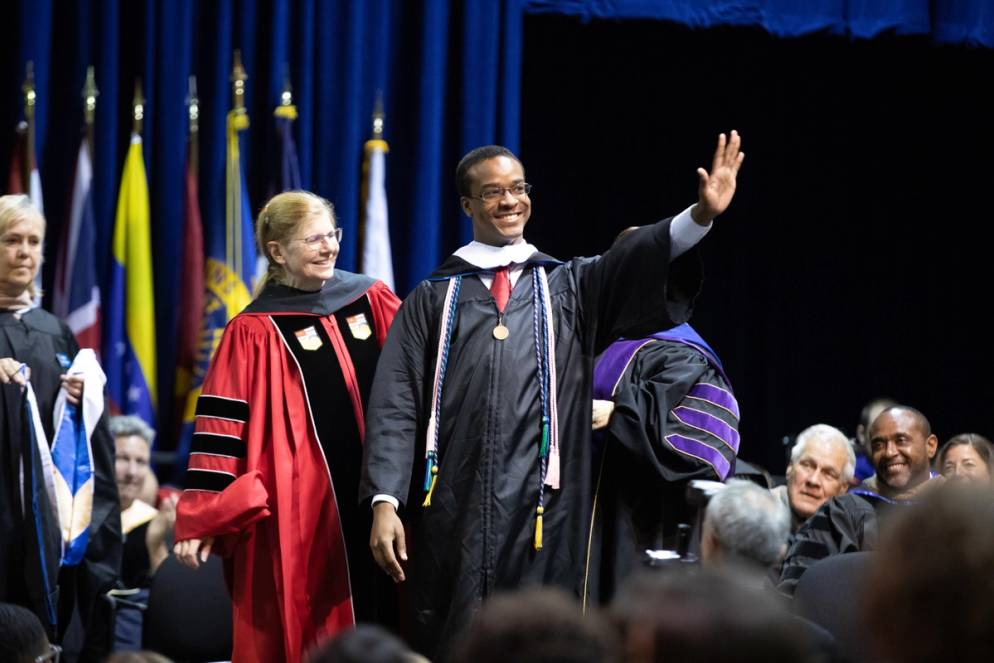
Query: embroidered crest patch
(308,338)
(359,326)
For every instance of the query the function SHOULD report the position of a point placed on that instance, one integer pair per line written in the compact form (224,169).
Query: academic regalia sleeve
(222,497)
(649,418)
(843,524)
(633,289)
(396,399)
(384,304)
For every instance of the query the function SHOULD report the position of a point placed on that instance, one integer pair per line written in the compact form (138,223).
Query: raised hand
(716,189)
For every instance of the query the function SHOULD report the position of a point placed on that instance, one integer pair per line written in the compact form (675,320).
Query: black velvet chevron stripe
(209,443)
(225,408)
(207,480)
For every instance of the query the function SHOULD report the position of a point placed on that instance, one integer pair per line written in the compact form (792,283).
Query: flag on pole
(289,164)
(230,267)
(192,286)
(287,178)
(377,261)
(76,296)
(129,345)
(25,178)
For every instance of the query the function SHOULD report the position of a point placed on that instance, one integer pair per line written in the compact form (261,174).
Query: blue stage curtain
(949,21)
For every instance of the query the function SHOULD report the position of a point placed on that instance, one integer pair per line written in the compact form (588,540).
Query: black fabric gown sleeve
(397,401)
(844,524)
(634,290)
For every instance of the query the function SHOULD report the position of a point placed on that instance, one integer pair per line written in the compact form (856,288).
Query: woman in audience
(967,457)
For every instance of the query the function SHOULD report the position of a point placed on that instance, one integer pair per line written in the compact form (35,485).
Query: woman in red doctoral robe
(272,482)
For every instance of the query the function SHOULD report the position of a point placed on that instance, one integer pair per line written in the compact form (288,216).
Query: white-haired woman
(36,346)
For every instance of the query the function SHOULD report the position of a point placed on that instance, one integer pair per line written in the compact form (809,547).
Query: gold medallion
(500,331)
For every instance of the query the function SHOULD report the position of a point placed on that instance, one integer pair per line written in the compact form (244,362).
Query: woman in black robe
(36,346)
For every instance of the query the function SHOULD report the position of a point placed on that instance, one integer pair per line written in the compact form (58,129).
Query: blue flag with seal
(229,271)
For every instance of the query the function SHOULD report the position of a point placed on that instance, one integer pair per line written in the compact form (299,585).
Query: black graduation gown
(477,536)
(37,338)
(640,479)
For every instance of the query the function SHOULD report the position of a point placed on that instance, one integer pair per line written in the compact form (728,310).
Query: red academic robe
(260,478)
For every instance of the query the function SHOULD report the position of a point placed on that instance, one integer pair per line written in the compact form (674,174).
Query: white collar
(486,256)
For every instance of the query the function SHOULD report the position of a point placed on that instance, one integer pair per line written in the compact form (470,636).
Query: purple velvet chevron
(697,449)
(715,396)
(709,423)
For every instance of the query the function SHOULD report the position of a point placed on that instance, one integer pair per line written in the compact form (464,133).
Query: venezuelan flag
(129,344)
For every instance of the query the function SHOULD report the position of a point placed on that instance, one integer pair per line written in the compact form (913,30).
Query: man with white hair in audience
(902,446)
(822,463)
(744,524)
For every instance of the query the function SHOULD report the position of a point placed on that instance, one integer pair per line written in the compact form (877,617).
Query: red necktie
(501,288)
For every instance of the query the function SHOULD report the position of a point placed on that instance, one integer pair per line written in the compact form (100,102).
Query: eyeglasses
(314,240)
(492,193)
(52,656)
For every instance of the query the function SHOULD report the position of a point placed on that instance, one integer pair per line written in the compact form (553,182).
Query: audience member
(536,625)
(744,524)
(366,643)
(146,529)
(967,457)
(822,462)
(870,411)
(902,446)
(931,593)
(710,616)
(22,637)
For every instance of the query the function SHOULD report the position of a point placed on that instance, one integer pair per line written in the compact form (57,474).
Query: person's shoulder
(41,320)
(249,324)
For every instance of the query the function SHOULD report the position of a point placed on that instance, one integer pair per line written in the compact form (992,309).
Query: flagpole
(193,108)
(30,97)
(90,94)
(238,119)
(378,116)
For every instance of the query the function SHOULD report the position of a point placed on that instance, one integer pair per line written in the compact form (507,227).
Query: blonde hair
(17,207)
(279,219)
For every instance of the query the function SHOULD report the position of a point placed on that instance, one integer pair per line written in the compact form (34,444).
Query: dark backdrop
(854,260)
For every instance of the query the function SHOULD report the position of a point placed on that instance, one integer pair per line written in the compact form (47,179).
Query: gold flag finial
(238,78)
(378,116)
(139,107)
(30,96)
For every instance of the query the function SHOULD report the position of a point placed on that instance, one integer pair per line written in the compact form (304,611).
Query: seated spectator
(22,637)
(536,625)
(710,616)
(366,643)
(870,411)
(744,524)
(931,593)
(902,446)
(146,529)
(821,466)
(967,457)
